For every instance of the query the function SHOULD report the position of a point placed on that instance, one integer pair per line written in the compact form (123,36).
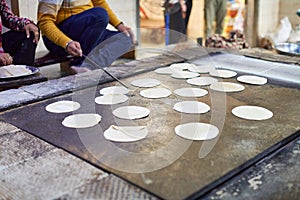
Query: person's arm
(47,13)
(12,21)
(113,19)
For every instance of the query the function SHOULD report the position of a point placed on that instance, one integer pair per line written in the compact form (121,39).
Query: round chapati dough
(165,70)
(111,99)
(197,131)
(254,80)
(191,107)
(223,73)
(125,133)
(191,92)
(202,81)
(181,66)
(62,106)
(155,93)
(114,90)
(81,120)
(227,87)
(202,69)
(131,112)
(252,112)
(146,82)
(184,74)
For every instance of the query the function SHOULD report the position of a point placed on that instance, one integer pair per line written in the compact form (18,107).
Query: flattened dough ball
(227,87)
(111,99)
(131,112)
(252,112)
(202,69)
(184,74)
(202,81)
(114,90)
(81,120)
(125,133)
(254,80)
(191,92)
(146,82)
(155,93)
(181,66)
(62,106)
(223,73)
(191,107)
(197,131)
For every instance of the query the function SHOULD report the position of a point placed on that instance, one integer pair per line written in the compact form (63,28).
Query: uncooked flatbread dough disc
(197,131)
(146,82)
(184,74)
(227,87)
(125,133)
(155,93)
(252,112)
(254,80)
(62,106)
(191,92)
(114,90)
(165,70)
(131,112)
(202,69)
(81,120)
(202,81)
(111,99)
(180,66)
(191,107)
(223,73)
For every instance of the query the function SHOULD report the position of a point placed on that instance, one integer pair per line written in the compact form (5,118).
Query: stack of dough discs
(114,90)
(227,87)
(202,81)
(184,74)
(165,70)
(202,69)
(254,80)
(125,133)
(62,106)
(191,107)
(180,66)
(155,93)
(222,73)
(197,131)
(131,112)
(146,82)
(191,92)
(252,112)
(111,99)
(81,120)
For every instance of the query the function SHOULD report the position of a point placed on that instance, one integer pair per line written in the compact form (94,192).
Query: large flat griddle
(164,164)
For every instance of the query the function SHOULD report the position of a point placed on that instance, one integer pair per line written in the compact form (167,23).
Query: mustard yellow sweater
(50,13)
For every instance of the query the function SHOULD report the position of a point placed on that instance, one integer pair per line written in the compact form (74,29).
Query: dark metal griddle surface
(163,163)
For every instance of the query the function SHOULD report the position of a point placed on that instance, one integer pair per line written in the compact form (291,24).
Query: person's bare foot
(78,70)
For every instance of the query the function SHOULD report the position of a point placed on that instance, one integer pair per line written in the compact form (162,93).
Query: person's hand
(32,27)
(127,31)
(73,48)
(5,59)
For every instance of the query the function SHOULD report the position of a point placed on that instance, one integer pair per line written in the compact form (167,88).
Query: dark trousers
(21,48)
(88,28)
(174,24)
(189,5)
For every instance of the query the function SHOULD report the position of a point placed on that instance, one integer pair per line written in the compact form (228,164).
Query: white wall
(125,10)
(268,16)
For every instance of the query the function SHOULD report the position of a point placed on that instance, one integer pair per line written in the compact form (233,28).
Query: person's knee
(100,15)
